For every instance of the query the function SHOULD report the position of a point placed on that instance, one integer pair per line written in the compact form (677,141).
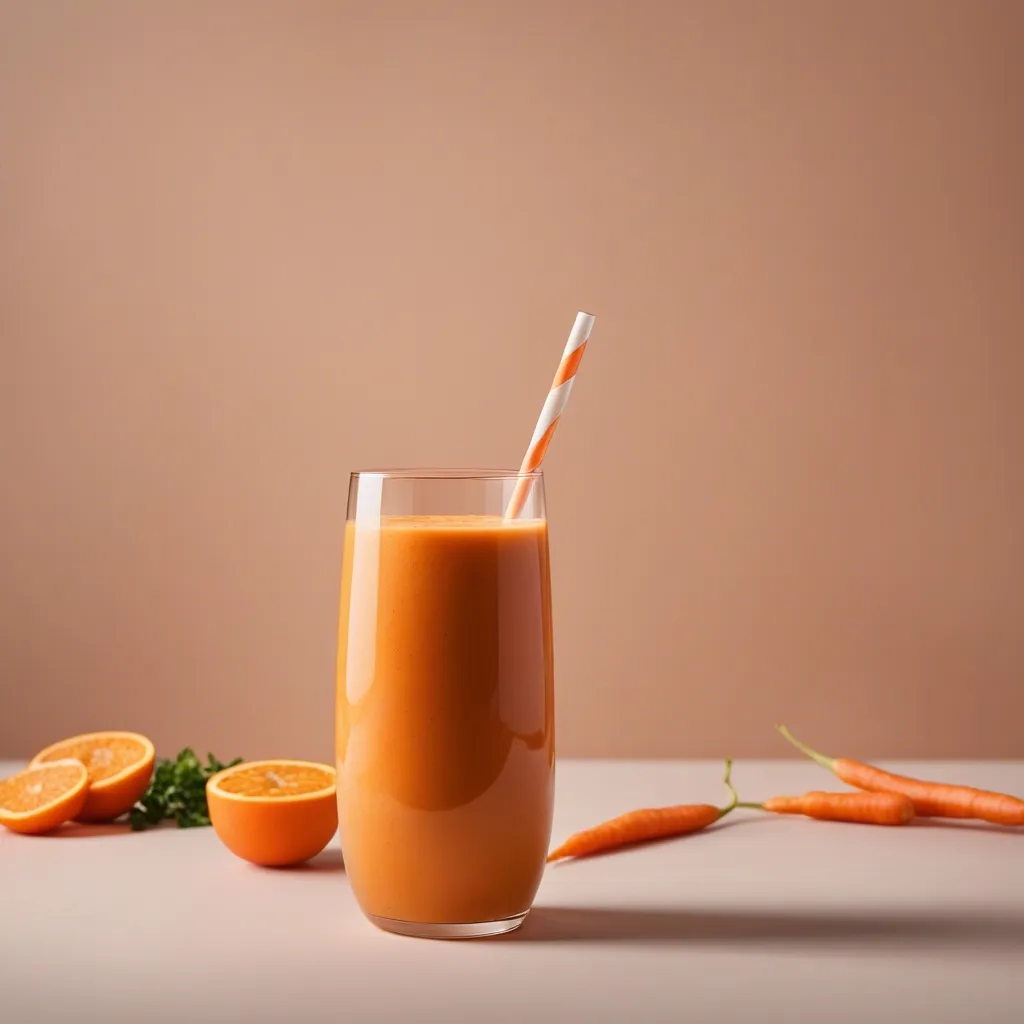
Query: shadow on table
(734,927)
(329,860)
(949,824)
(87,830)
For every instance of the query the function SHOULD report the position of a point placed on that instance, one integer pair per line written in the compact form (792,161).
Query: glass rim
(447,474)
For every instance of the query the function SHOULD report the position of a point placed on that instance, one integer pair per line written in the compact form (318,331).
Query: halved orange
(274,813)
(40,798)
(120,765)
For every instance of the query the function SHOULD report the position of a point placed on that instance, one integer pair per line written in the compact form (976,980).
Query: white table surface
(758,920)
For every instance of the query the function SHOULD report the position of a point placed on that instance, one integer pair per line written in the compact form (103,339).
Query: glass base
(469,930)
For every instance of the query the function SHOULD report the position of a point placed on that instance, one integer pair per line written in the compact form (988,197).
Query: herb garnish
(178,791)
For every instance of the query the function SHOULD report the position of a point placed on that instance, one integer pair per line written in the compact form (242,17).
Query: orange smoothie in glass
(445,718)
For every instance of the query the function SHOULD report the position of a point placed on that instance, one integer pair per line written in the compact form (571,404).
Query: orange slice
(274,813)
(120,765)
(41,798)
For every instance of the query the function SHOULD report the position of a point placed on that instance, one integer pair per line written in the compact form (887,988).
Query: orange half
(274,813)
(120,765)
(42,797)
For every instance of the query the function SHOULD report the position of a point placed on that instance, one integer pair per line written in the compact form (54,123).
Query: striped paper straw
(561,386)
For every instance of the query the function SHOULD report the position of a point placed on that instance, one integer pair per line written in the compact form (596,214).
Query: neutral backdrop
(247,248)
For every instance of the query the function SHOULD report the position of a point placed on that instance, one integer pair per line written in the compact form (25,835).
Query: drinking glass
(445,700)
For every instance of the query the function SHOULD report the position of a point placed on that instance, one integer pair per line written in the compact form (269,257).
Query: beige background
(247,248)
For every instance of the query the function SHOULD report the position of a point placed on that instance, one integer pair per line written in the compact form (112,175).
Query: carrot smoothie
(445,716)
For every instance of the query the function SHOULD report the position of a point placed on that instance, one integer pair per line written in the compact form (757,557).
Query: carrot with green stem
(930,799)
(863,808)
(646,824)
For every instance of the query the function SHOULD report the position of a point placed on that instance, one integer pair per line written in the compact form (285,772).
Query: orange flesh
(102,758)
(37,787)
(276,781)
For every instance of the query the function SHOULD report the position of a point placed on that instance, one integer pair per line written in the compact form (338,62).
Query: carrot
(866,808)
(930,799)
(646,824)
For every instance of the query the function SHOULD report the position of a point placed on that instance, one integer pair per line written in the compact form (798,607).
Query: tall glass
(445,700)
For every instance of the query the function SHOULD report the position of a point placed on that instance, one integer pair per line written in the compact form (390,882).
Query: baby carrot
(866,808)
(646,824)
(930,799)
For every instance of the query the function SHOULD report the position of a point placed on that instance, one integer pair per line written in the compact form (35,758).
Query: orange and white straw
(561,387)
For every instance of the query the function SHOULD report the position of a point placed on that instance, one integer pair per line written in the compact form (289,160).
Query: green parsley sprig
(178,791)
